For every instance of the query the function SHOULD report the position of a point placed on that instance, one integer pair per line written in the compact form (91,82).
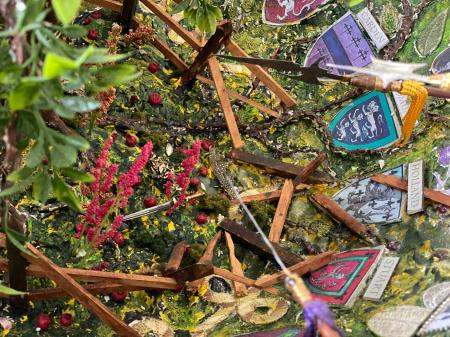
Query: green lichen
(214,203)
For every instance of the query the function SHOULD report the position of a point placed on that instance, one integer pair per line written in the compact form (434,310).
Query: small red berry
(45,161)
(119,296)
(201,218)
(207,144)
(150,201)
(134,99)
(96,15)
(195,182)
(66,319)
(203,171)
(154,99)
(79,227)
(43,321)
(87,21)
(92,34)
(153,68)
(119,239)
(131,140)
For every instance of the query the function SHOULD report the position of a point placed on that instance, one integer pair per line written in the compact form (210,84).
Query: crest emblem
(441,63)
(344,44)
(373,203)
(281,12)
(341,281)
(367,123)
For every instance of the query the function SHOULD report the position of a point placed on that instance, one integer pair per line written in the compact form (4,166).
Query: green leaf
(17,239)
(217,12)
(115,75)
(201,19)
(63,155)
(101,56)
(65,194)
(431,37)
(18,187)
(66,10)
(74,31)
(41,186)
(55,65)
(80,103)
(63,111)
(23,95)
(77,175)
(20,174)
(210,21)
(37,153)
(10,291)
(75,141)
(180,7)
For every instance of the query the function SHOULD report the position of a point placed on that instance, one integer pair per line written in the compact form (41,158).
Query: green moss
(262,211)
(214,203)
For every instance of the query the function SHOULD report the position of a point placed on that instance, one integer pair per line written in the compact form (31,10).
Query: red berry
(154,99)
(43,321)
(131,140)
(195,182)
(153,68)
(44,161)
(201,218)
(203,171)
(66,319)
(87,21)
(96,15)
(207,144)
(134,99)
(119,296)
(79,227)
(92,34)
(150,201)
(119,239)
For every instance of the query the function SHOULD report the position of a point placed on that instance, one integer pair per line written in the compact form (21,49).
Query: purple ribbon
(316,310)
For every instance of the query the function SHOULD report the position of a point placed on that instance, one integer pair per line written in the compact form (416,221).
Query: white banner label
(372,28)
(415,187)
(381,278)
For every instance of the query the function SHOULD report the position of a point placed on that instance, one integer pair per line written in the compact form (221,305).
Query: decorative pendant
(368,123)
(283,12)
(441,63)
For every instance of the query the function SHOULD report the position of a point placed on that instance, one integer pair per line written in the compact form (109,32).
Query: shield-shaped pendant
(344,44)
(368,123)
(373,203)
(283,12)
(441,63)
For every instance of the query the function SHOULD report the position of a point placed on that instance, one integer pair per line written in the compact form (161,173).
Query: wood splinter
(341,216)
(282,210)
(236,266)
(176,257)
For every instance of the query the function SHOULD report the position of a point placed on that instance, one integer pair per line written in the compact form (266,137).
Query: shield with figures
(344,44)
(368,123)
(284,12)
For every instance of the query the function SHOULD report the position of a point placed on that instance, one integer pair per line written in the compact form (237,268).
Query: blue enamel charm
(368,123)
(372,203)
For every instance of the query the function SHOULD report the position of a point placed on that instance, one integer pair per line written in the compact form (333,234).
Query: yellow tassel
(419,95)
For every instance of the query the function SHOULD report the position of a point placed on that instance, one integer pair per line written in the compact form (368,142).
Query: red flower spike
(154,99)
(92,34)
(131,140)
(153,68)
(43,321)
(119,296)
(150,201)
(207,144)
(119,239)
(201,218)
(203,171)
(66,319)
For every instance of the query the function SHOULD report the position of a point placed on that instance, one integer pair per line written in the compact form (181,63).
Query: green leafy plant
(200,13)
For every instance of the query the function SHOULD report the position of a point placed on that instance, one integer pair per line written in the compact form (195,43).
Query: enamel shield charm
(344,44)
(282,12)
(373,203)
(368,123)
(441,63)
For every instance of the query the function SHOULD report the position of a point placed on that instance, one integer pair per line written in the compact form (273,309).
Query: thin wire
(258,228)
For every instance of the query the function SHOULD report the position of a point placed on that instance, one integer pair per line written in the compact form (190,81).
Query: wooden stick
(310,264)
(236,267)
(113,5)
(74,289)
(212,46)
(309,169)
(176,257)
(278,167)
(225,102)
(402,185)
(282,210)
(254,242)
(128,11)
(341,216)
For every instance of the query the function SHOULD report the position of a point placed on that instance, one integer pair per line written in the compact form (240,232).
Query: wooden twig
(282,210)
(74,289)
(310,264)
(309,169)
(278,167)
(236,266)
(128,11)
(225,103)
(341,216)
(176,257)
(254,242)
(402,185)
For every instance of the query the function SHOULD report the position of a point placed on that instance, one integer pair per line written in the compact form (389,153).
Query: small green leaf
(180,7)
(63,111)
(36,154)
(20,174)
(217,12)
(74,31)
(55,65)
(115,75)
(62,155)
(77,175)
(100,56)
(23,95)
(210,21)
(41,186)
(76,141)
(17,239)
(66,10)
(10,291)
(65,194)
(80,103)
(18,187)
